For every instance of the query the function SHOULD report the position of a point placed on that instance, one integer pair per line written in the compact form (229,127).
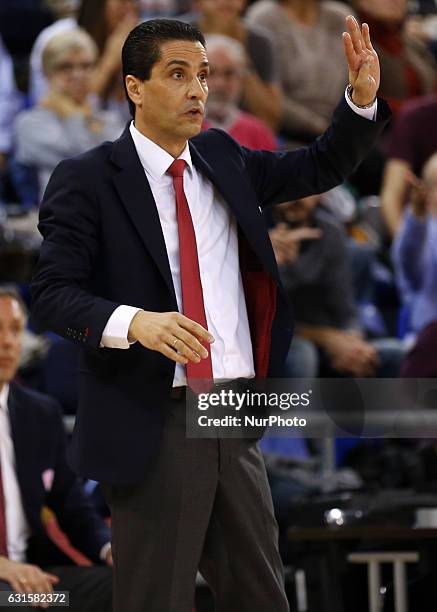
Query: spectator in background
(411,142)
(65,123)
(227,61)
(415,251)
(62,8)
(306,33)
(423,26)
(20,23)
(35,474)
(9,106)
(311,251)
(150,9)
(64,21)
(261,92)
(108,22)
(408,66)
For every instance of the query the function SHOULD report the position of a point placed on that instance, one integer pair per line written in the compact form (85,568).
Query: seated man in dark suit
(34,474)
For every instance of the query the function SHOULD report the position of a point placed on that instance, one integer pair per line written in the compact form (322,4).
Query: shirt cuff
(367,113)
(104,551)
(116,329)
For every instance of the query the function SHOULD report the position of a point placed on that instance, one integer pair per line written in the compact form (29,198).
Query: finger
(307,233)
(16,585)
(39,583)
(28,585)
(43,586)
(191,341)
(366,36)
(182,349)
(46,585)
(413,179)
(171,354)
(200,332)
(349,51)
(355,34)
(351,24)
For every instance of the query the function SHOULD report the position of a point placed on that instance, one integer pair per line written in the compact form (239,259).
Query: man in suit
(156,260)
(34,474)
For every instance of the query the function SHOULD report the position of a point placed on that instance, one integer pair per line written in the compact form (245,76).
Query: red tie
(199,375)
(3,539)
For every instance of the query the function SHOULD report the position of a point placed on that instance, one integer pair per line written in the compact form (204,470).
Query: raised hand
(363,62)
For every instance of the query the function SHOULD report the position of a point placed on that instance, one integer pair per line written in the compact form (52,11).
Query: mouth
(195,113)
(6,362)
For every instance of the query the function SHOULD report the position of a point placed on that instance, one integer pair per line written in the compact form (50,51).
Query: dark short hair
(142,48)
(9,291)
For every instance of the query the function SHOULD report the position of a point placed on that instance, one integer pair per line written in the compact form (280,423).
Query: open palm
(363,62)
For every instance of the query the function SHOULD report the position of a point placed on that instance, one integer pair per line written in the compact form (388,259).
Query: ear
(133,86)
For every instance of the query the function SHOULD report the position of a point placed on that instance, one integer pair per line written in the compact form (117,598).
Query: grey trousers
(204,505)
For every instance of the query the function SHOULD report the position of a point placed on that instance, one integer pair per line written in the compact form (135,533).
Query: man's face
(171,104)
(220,9)
(71,75)
(224,81)
(11,331)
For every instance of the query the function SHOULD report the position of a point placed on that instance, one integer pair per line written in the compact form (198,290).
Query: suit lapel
(135,193)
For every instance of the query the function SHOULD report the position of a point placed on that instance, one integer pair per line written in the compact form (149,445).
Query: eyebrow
(181,62)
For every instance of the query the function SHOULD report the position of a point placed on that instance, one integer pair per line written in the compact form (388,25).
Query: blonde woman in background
(66,121)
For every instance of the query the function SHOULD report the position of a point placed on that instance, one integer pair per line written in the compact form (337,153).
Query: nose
(7,339)
(197,89)
(7,336)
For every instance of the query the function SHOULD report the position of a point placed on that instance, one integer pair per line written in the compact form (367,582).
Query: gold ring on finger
(174,342)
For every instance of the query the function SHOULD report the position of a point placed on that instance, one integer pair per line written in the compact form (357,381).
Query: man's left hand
(363,62)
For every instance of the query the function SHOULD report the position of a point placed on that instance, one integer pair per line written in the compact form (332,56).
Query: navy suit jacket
(103,246)
(40,444)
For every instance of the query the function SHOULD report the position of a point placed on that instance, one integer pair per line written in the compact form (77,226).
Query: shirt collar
(4,394)
(154,159)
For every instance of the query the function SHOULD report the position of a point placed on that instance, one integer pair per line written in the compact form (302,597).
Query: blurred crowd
(359,262)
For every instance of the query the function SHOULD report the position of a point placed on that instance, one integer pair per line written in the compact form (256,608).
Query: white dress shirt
(217,244)
(17,528)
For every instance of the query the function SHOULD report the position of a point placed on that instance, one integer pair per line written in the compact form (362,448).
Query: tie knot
(177,168)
